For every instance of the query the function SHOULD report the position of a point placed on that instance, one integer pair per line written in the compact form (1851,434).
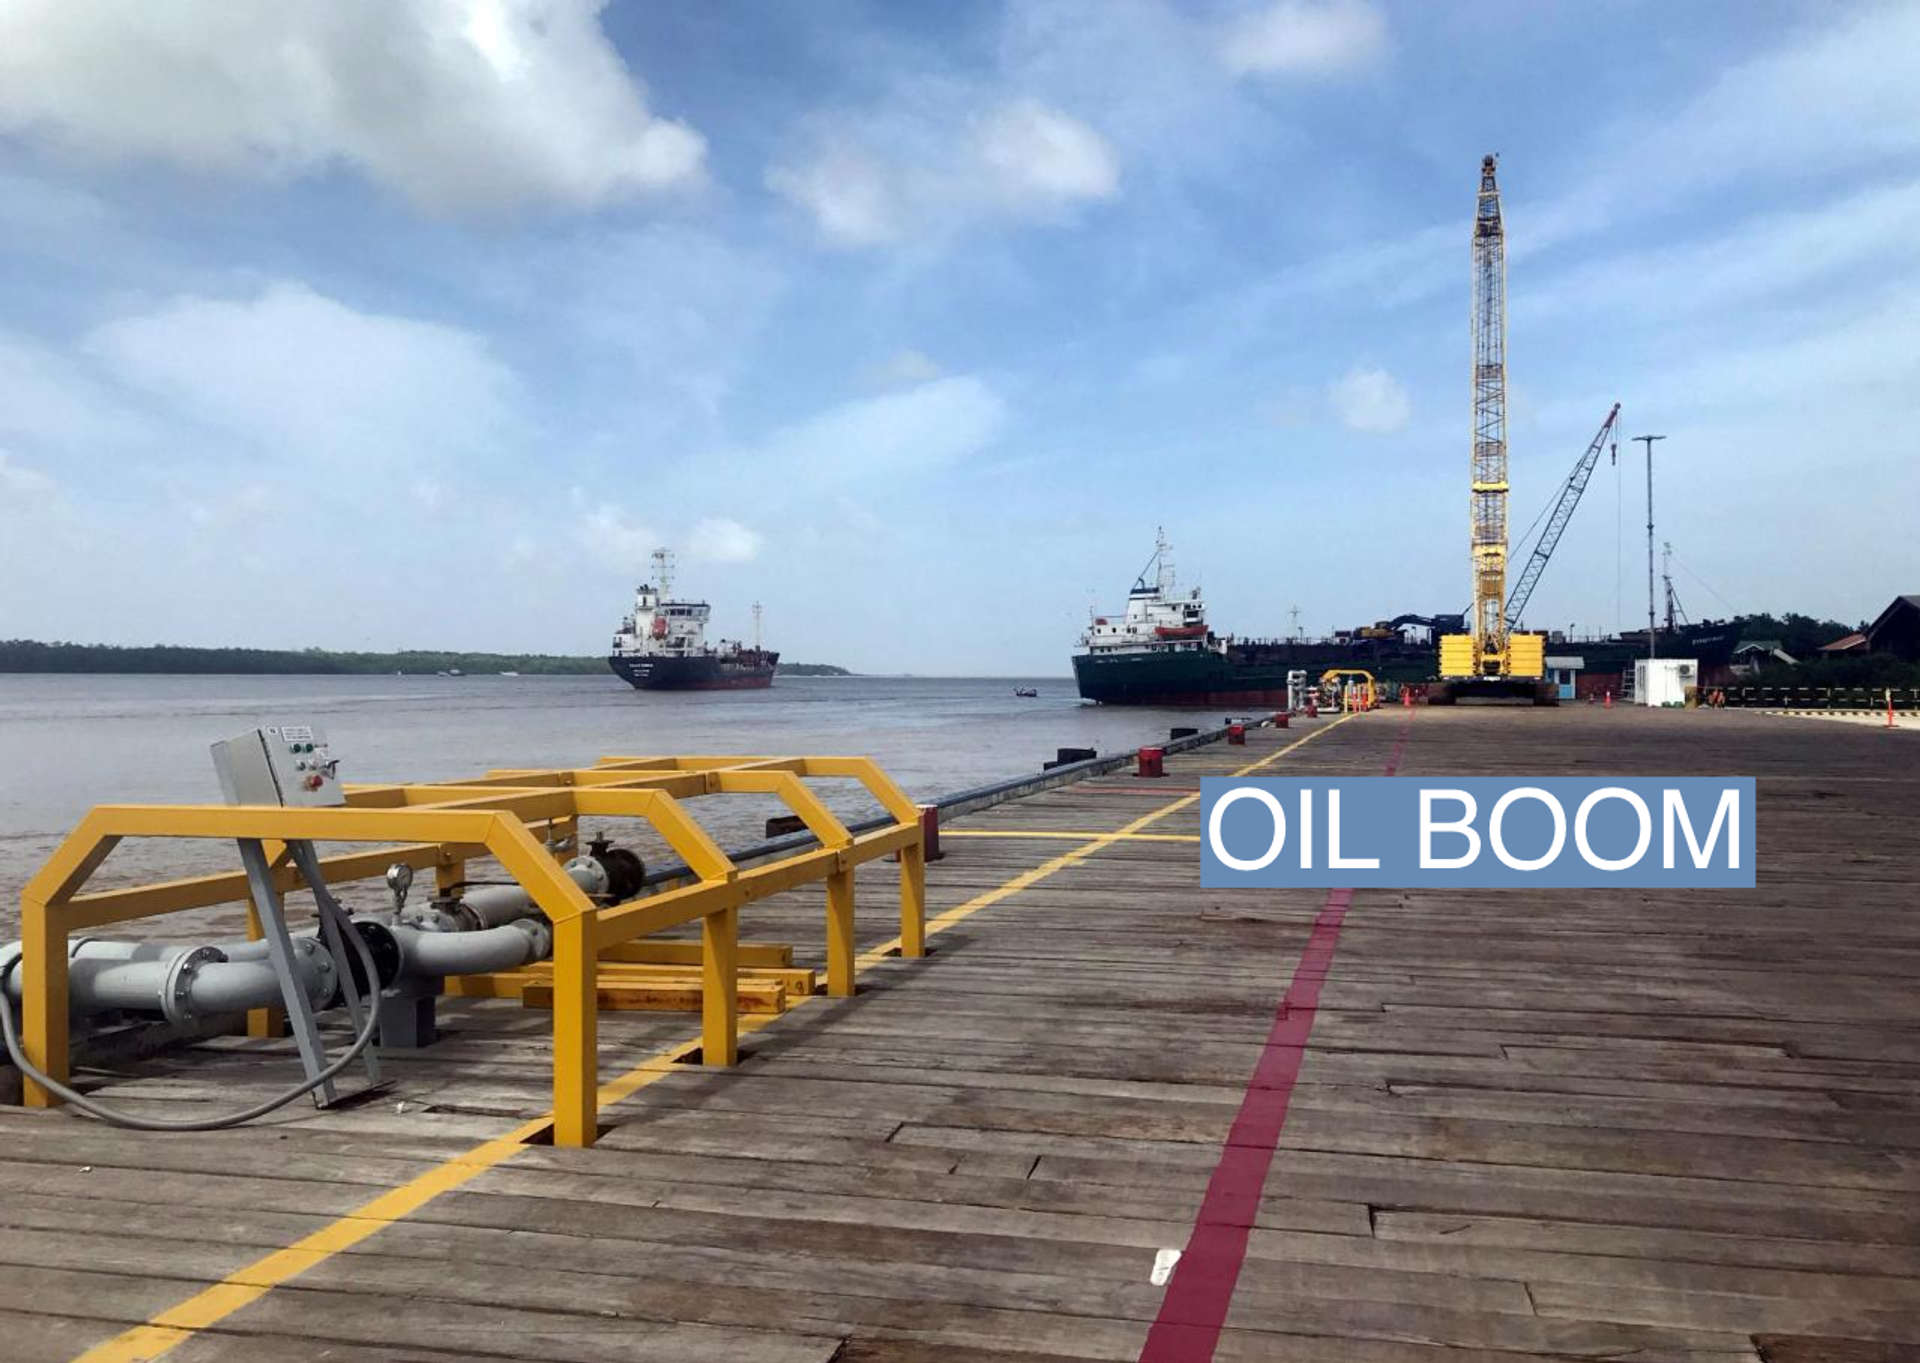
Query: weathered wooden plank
(1528,1126)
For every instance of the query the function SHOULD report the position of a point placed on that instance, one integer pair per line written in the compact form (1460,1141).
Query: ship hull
(1175,678)
(750,673)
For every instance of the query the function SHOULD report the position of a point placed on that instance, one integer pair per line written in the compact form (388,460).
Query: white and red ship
(661,644)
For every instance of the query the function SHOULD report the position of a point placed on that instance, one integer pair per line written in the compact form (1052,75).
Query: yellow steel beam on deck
(753,955)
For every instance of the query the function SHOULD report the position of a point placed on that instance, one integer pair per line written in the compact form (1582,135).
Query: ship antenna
(756,627)
(663,570)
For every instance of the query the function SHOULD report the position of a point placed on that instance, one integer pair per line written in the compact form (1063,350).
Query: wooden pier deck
(1565,1124)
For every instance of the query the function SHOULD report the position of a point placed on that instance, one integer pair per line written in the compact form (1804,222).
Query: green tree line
(31,655)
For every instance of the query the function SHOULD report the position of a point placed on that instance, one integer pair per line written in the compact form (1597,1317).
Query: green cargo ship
(1161,651)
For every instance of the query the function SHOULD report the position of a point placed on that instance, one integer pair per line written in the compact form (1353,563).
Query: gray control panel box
(284,765)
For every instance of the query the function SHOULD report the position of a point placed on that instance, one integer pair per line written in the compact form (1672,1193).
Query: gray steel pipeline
(490,928)
(181,982)
(495,906)
(477,952)
(494,927)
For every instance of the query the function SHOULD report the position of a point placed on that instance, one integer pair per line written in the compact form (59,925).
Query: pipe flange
(593,871)
(176,991)
(443,916)
(385,950)
(541,935)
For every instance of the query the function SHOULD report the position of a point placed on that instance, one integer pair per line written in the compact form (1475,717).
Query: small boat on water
(1026,692)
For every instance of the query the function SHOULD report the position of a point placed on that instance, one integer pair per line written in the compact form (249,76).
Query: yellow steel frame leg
(840,933)
(720,987)
(43,1000)
(913,901)
(576,1035)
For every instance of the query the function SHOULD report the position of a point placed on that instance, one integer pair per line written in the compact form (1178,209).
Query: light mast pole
(1653,646)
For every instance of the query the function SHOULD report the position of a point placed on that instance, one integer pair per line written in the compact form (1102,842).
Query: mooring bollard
(1313,711)
(1237,735)
(1152,762)
(1279,719)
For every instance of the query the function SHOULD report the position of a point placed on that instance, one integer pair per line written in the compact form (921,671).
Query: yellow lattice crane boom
(1490,659)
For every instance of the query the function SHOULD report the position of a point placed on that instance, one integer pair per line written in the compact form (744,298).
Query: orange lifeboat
(659,626)
(1179,631)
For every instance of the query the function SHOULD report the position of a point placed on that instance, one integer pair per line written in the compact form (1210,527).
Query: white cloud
(920,428)
(905,368)
(1370,400)
(49,407)
(1833,97)
(1305,38)
(904,174)
(1149,72)
(613,536)
(720,540)
(1756,261)
(454,104)
(299,378)
(1839,93)
(23,484)
(609,533)
(1037,154)
(847,192)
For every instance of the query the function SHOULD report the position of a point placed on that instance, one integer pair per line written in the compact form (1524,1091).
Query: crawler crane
(1492,662)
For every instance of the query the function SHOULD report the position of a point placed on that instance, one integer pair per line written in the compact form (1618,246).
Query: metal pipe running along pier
(1112,1116)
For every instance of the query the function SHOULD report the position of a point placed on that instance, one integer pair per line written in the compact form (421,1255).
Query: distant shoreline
(30,656)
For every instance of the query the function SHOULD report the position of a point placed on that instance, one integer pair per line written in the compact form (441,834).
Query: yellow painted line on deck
(211,1305)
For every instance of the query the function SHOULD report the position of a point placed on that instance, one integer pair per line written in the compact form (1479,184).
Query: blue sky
(376,324)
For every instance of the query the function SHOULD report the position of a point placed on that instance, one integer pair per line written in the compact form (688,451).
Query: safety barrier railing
(1856,698)
(517,817)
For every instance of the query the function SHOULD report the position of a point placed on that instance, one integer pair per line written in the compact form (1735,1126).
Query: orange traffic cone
(1609,700)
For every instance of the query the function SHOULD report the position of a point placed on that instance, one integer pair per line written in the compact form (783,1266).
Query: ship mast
(756,627)
(663,571)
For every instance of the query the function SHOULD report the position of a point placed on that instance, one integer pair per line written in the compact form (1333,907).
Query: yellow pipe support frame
(913,899)
(719,987)
(840,939)
(520,819)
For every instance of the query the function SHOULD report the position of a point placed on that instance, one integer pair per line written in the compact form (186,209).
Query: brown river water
(70,742)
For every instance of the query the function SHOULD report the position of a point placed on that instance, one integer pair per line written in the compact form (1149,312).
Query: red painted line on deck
(1194,1310)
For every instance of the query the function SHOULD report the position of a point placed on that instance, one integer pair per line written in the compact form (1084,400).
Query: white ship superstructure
(1157,618)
